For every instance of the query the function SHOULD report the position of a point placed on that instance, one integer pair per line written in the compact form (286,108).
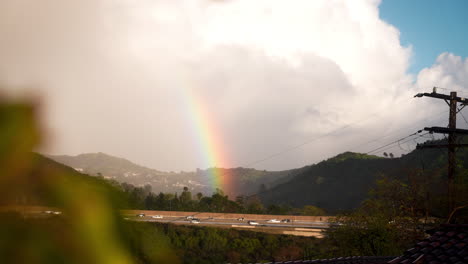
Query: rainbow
(209,140)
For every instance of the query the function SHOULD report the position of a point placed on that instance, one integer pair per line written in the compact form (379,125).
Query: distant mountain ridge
(245,180)
(101,163)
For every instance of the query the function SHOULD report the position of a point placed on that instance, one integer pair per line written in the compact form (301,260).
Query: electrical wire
(463,117)
(394,132)
(394,142)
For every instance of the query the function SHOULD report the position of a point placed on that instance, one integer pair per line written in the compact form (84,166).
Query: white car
(252,223)
(157,216)
(190,217)
(195,221)
(273,221)
(240,219)
(140,215)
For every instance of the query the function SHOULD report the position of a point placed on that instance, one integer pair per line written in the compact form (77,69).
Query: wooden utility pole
(452,132)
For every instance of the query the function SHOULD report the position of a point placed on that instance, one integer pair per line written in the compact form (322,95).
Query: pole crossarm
(445,130)
(462,100)
(424,146)
(452,100)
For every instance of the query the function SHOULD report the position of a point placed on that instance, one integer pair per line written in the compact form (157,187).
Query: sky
(270,84)
(430,27)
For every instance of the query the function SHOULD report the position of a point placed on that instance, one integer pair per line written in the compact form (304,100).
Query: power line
(382,148)
(317,138)
(403,142)
(463,117)
(394,132)
(289,149)
(394,142)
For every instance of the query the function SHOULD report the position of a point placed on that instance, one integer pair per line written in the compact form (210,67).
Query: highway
(300,228)
(297,225)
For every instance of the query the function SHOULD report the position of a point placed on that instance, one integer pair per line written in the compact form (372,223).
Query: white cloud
(448,72)
(271,73)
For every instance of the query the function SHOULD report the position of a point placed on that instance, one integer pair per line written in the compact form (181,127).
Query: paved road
(214,221)
(299,227)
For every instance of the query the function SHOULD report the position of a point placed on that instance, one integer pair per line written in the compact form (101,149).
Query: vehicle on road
(273,221)
(157,216)
(240,219)
(190,217)
(195,221)
(286,221)
(140,215)
(252,223)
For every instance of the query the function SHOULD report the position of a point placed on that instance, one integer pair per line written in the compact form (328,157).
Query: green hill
(243,181)
(43,169)
(343,182)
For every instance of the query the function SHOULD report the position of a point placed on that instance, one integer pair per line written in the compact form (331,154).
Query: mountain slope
(243,181)
(44,182)
(343,182)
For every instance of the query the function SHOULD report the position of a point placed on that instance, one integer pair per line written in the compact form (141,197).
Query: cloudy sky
(270,84)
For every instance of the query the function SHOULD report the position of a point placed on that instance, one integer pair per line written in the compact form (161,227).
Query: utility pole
(452,132)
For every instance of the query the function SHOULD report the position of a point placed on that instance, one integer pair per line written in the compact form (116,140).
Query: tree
(147,189)
(150,202)
(199,196)
(362,235)
(386,223)
(186,199)
(312,211)
(254,205)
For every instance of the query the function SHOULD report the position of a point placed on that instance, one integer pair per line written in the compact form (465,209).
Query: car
(252,223)
(240,219)
(195,221)
(273,221)
(190,217)
(286,221)
(140,215)
(157,216)
(57,213)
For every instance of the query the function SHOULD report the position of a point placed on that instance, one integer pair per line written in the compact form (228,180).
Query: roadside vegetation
(142,198)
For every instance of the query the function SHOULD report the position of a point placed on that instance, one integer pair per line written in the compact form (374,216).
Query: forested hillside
(343,182)
(243,181)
